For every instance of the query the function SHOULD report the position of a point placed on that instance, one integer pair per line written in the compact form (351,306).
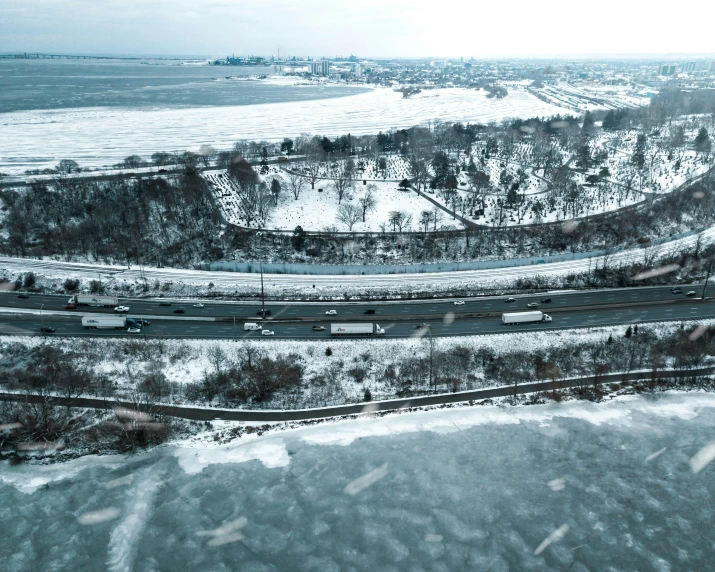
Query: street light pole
(263,298)
(42,320)
(707,276)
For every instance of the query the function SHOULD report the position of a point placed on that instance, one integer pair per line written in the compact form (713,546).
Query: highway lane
(402,310)
(441,325)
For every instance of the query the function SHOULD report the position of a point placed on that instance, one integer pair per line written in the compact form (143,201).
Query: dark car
(164,303)
(546,300)
(179,311)
(510,300)
(318,328)
(369,311)
(691,293)
(47,330)
(23,296)
(263,312)
(676,290)
(143,322)
(71,307)
(420,326)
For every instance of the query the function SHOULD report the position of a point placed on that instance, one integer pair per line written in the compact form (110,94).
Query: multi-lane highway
(400,319)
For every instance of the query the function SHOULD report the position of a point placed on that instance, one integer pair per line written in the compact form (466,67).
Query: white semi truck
(512,318)
(356,330)
(97,301)
(104,322)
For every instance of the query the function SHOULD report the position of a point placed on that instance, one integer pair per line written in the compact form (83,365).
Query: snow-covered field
(625,484)
(102,136)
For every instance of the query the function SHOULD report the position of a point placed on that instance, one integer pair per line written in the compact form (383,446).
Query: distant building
(667,69)
(357,70)
(320,68)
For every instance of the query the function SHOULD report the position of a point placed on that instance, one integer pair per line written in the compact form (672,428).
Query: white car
(121,309)
(134,330)
(331,313)
(533,305)
(459,302)
(199,305)
(267,333)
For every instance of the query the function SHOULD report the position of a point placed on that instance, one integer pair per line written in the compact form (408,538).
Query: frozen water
(469,499)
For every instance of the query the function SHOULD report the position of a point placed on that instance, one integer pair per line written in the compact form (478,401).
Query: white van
(251,326)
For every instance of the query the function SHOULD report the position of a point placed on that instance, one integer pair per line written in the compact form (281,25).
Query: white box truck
(251,327)
(97,301)
(356,330)
(512,318)
(104,322)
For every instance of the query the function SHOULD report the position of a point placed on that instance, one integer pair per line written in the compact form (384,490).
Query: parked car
(459,302)
(71,307)
(121,309)
(676,290)
(331,313)
(179,311)
(690,293)
(133,330)
(318,328)
(533,305)
(546,300)
(370,311)
(263,312)
(47,330)
(267,333)
(23,296)
(199,305)
(164,303)
(510,300)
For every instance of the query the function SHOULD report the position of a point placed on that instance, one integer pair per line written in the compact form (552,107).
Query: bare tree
(368,203)
(349,214)
(296,184)
(342,183)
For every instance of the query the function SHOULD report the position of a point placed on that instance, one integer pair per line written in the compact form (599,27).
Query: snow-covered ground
(625,484)
(102,136)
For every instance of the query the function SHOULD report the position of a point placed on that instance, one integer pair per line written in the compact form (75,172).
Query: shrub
(29,280)
(71,284)
(328,352)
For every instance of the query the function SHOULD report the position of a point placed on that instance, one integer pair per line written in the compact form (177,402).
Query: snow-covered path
(494,277)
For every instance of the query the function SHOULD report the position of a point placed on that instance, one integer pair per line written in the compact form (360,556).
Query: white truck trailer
(512,318)
(104,322)
(97,301)
(356,330)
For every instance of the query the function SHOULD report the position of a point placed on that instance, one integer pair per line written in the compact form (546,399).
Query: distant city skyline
(372,29)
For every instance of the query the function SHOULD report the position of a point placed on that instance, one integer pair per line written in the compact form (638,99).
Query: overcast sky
(369,28)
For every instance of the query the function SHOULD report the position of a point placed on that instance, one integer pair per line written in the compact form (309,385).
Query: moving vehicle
(511,318)
(370,311)
(143,322)
(164,303)
(47,330)
(420,326)
(459,302)
(267,332)
(546,300)
(251,326)
(331,313)
(179,311)
(121,309)
(318,328)
(676,290)
(23,296)
(510,300)
(102,322)
(356,330)
(133,330)
(690,293)
(199,305)
(263,312)
(533,305)
(96,301)
(70,307)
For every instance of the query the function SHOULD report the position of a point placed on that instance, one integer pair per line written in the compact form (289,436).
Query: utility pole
(707,276)
(263,298)
(431,352)
(42,320)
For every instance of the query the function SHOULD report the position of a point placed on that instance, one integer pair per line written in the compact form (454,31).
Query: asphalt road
(292,321)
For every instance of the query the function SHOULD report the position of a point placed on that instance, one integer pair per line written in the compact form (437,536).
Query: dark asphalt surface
(476,316)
